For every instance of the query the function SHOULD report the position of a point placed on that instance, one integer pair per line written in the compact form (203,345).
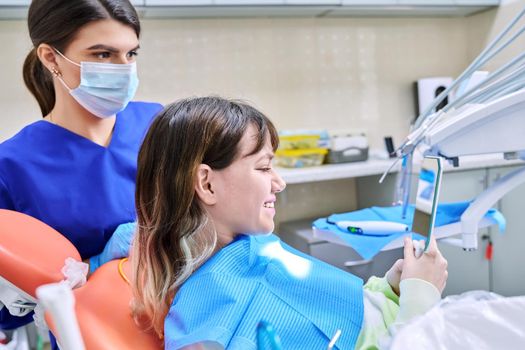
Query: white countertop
(379,166)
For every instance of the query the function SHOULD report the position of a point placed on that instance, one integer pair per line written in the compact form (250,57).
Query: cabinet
(178,2)
(236,8)
(427,3)
(508,272)
(478,2)
(15,2)
(249,2)
(471,270)
(393,8)
(14,9)
(467,270)
(10,9)
(312,2)
(369,3)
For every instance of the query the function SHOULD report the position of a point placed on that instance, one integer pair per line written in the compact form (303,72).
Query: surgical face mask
(105,88)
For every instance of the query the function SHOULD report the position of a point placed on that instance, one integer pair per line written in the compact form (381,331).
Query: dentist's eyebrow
(109,48)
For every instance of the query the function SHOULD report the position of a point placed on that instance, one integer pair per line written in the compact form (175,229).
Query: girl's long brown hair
(174,237)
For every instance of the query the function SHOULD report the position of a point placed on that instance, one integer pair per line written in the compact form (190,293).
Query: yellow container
(299,158)
(298,141)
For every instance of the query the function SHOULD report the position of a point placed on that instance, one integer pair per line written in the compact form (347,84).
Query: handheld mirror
(427,197)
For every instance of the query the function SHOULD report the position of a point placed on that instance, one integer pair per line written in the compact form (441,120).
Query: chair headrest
(31,252)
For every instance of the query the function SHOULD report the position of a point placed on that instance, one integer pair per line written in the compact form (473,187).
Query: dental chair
(32,254)
(104,314)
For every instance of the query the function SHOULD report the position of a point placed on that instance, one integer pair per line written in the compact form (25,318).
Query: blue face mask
(105,88)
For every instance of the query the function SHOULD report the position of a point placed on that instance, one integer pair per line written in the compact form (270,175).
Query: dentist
(75,168)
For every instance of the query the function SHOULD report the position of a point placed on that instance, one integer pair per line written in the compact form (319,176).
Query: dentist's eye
(102,55)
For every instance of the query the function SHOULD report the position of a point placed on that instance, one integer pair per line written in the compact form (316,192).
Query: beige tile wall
(17,104)
(305,73)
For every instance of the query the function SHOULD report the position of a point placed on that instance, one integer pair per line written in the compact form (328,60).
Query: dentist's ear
(47,56)
(203,185)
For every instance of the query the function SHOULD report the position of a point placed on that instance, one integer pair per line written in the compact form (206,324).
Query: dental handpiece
(379,228)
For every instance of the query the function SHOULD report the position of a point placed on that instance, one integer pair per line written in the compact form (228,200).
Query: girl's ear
(203,186)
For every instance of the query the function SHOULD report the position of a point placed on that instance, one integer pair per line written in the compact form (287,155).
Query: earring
(55,72)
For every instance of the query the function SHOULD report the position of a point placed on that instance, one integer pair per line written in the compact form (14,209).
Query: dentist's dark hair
(174,236)
(55,22)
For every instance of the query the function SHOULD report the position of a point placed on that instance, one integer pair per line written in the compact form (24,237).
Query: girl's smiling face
(246,191)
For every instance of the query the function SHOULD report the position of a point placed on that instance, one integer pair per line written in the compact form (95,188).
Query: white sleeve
(416,297)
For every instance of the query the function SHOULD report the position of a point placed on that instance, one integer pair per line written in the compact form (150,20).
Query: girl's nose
(278,184)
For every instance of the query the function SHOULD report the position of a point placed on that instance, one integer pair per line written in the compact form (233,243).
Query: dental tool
(505,81)
(371,228)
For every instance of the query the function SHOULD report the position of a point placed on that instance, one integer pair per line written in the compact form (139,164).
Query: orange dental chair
(32,254)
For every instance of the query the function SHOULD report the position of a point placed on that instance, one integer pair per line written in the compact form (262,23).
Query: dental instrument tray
(347,147)
(301,148)
(303,139)
(300,158)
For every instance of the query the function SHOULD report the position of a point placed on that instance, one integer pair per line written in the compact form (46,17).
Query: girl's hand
(393,276)
(431,266)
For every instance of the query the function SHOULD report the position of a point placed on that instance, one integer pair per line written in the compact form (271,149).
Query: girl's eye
(266,169)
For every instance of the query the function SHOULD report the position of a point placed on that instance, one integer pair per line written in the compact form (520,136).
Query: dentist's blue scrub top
(79,188)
